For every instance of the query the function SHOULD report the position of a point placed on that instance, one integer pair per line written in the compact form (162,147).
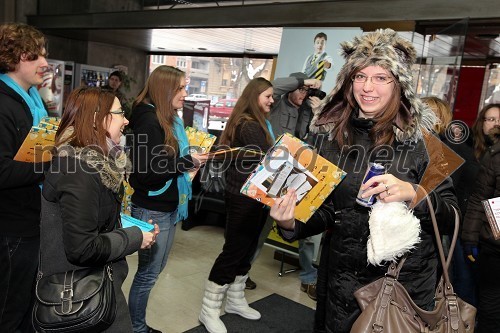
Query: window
(158,59)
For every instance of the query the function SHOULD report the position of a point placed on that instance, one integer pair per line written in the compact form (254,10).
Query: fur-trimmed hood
(386,49)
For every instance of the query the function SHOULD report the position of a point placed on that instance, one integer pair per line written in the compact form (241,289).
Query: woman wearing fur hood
(82,194)
(373,115)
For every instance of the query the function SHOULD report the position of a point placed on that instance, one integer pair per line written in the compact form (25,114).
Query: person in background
(480,246)
(114,84)
(247,127)
(372,115)
(161,182)
(317,64)
(292,113)
(82,193)
(487,119)
(453,135)
(22,66)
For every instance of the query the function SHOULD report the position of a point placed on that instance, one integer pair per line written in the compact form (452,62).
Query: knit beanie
(384,48)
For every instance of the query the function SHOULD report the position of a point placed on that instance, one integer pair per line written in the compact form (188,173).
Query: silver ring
(386,187)
(388,193)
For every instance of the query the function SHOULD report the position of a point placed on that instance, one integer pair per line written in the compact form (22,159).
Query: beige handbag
(387,307)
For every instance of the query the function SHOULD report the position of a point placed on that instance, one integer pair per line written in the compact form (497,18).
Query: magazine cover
(492,210)
(292,164)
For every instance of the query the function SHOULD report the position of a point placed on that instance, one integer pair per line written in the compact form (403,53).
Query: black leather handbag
(81,300)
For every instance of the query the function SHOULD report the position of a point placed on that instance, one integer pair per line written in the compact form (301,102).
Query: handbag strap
(393,270)
(445,262)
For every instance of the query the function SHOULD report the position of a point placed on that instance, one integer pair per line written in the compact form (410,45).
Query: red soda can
(374,169)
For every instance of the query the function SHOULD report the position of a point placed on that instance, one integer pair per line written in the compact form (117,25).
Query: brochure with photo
(492,210)
(292,164)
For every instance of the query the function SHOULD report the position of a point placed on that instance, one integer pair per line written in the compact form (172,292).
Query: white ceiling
(217,40)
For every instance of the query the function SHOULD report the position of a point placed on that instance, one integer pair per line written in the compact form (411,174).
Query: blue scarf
(270,129)
(32,98)
(183,180)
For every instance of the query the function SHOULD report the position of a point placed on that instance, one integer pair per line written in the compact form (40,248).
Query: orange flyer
(291,163)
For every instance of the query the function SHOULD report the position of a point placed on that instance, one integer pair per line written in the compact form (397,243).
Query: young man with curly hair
(22,65)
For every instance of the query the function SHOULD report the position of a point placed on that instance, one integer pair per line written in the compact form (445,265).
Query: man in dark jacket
(22,64)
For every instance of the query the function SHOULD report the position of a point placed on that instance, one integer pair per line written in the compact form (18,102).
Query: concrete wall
(106,55)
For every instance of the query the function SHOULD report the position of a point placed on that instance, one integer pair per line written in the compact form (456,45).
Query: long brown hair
(247,109)
(160,89)
(477,131)
(382,132)
(86,110)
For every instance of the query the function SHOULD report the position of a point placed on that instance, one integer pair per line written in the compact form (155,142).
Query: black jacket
(476,229)
(346,263)
(249,134)
(19,181)
(81,226)
(152,167)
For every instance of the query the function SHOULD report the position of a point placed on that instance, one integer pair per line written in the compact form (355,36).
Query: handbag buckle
(66,301)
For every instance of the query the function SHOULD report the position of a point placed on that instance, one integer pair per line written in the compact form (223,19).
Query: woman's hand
(199,159)
(284,209)
(388,189)
(149,237)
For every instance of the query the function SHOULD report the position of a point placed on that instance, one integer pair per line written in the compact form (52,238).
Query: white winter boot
(236,302)
(211,305)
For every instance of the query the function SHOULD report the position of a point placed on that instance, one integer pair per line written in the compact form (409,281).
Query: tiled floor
(175,301)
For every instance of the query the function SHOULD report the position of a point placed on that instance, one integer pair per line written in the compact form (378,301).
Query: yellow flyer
(37,146)
(291,163)
(200,141)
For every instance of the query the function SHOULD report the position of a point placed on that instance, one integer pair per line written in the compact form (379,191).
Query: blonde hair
(442,110)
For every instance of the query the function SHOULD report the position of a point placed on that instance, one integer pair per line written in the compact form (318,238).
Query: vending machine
(91,76)
(52,88)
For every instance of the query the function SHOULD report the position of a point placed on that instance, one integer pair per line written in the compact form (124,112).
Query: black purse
(69,298)
(80,300)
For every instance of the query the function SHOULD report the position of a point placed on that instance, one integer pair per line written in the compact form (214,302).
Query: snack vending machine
(91,76)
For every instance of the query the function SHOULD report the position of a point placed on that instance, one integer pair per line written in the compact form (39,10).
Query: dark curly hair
(18,40)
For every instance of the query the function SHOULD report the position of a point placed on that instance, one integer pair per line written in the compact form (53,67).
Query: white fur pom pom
(394,230)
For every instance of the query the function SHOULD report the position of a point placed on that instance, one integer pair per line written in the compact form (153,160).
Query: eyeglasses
(119,111)
(303,90)
(376,79)
(492,120)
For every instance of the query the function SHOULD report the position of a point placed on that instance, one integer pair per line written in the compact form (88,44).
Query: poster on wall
(51,89)
(313,51)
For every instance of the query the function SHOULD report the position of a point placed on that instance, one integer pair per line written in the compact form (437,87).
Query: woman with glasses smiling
(161,182)
(372,115)
(82,193)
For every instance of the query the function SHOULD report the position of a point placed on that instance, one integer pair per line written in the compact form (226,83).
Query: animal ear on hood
(384,48)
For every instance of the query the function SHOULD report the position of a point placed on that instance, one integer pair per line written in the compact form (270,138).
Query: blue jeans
(151,263)
(309,273)
(18,268)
